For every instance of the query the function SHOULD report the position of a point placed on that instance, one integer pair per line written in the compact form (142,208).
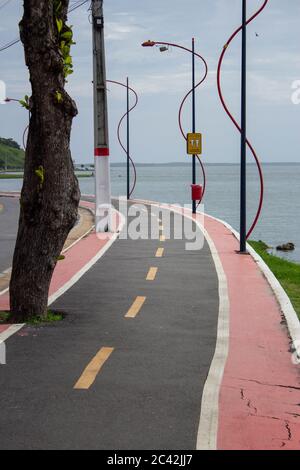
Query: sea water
(280,219)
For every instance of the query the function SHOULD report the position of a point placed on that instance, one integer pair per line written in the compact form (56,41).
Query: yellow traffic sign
(194,144)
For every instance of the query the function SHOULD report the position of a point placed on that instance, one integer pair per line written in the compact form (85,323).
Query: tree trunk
(50,194)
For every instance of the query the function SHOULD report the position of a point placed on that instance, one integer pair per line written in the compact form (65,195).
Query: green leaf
(58,7)
(67,35)
(58,96)
(65,51)
(40,173)
(25,102)
(59,24)
(68,60)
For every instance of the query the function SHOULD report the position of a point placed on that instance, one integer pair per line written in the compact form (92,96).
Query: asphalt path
(147,394)
(9,215)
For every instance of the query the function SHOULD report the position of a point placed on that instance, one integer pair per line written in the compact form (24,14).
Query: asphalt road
(9,216)
(148,393)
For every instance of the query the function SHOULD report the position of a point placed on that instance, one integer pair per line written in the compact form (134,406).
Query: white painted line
(4,291)
(78,240)
(7,271)
(10,331)
(286,306)
(89,265)
(209,418)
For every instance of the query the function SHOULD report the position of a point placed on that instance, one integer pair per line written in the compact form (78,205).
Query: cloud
(116,31)
(270,90)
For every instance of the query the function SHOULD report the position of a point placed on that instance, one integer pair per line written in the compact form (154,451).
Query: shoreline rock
(286,247)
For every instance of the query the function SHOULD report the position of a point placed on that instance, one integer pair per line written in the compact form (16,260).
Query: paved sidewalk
(9,215)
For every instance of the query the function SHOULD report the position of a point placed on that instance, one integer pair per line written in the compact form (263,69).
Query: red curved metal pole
(260,171)
(119,130)
(161,43)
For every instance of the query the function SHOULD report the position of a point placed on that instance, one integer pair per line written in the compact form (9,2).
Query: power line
(9,44)
(76,5)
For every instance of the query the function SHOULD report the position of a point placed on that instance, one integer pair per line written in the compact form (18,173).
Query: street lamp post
(243,208)
(244,236)
(194,86)
(194,117)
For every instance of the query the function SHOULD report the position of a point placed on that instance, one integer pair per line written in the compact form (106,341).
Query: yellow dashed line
(152,274)
(160,253)
(92,370)
(136,307)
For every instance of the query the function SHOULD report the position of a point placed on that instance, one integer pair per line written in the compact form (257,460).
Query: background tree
(50,193)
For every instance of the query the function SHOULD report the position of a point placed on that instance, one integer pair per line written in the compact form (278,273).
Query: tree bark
(50,194)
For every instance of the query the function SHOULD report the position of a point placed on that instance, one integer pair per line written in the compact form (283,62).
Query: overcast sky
(161,80)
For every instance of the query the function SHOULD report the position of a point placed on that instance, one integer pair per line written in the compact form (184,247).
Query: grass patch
(4,176)
(287,272)
(52,317)
(19,176)
(4,317)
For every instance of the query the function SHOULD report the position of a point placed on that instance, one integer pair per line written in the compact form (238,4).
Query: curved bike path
(147,394)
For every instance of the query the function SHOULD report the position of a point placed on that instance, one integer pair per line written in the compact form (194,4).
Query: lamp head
(148,43)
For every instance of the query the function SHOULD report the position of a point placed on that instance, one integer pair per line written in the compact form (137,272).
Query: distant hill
(11,155)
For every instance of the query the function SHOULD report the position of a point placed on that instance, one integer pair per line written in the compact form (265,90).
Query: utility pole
(102,163)
(194,116)
(243,209)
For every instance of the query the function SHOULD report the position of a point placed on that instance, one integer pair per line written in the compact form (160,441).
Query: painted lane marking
(92,370)
(136,307)
(152,274)
(4,291)
(162,238)
(160,253)
(65,287)
(10,331)
(208,426)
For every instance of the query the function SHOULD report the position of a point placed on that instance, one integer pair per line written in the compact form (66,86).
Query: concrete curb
(286,307)
(12,329)
(90,264)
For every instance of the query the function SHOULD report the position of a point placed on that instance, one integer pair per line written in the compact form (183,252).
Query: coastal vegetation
(11,155)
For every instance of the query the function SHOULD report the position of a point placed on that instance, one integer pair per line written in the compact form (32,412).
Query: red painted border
(101,152)
(76,258)
(260,392)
